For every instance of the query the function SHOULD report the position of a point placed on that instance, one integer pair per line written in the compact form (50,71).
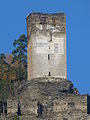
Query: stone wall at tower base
(50,99)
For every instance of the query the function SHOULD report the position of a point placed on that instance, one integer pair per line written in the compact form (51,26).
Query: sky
(13,23)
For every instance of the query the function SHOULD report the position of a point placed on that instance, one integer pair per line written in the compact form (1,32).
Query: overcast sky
(13,23)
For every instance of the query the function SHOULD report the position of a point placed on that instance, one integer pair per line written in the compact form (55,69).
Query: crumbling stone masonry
(50,99)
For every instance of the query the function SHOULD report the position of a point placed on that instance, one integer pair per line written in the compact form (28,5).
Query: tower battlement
(46,18)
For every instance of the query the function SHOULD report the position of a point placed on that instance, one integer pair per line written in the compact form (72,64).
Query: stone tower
(47,95)
(46,45)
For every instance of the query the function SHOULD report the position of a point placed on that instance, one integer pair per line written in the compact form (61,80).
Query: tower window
(49,74)
(19,110)
(48,56)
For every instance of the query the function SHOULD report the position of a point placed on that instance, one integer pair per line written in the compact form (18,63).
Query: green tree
(7,74)
(3,90)
(16,70)
(20,57)
(3,69)
(17,118)
(4,66)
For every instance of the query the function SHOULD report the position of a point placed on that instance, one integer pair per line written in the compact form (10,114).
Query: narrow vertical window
(48,56)
(49,74)
(19,110)
(40,109)
(50,37)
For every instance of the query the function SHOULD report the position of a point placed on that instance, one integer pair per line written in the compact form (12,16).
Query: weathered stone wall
(70,102)
(58,98)
(12,105)
(46,45)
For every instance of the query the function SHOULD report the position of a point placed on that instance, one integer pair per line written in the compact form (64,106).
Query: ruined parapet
(46,45)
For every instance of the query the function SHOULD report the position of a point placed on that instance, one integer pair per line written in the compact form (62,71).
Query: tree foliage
(13,67)
(20,51)
(20,57)
(3,90)
(7,72)
(5,77)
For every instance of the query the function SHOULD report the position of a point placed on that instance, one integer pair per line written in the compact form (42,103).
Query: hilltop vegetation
(13,67)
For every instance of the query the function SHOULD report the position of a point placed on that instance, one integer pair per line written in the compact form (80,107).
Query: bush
(17,118)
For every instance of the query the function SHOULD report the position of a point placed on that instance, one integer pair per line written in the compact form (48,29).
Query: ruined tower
(46,45)
(48,95)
